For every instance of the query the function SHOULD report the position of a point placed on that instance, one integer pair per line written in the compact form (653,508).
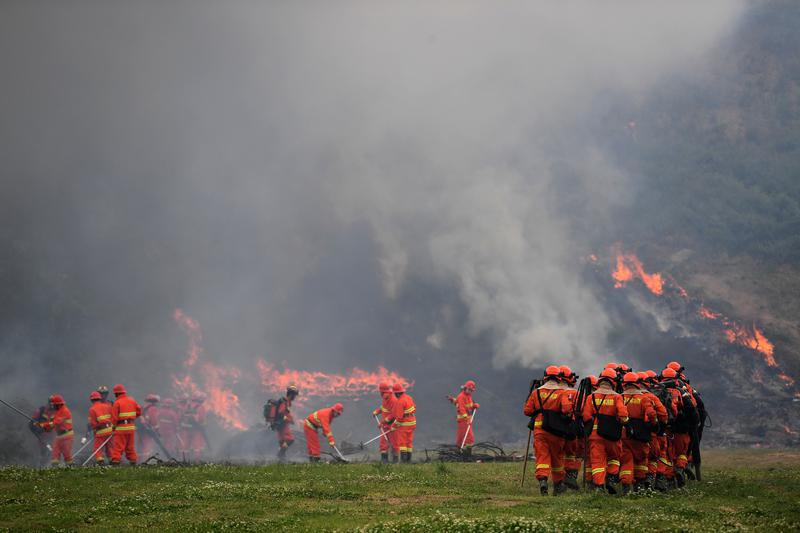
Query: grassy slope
(750,489)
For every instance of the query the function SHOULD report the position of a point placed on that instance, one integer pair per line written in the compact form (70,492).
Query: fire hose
(29,418)
(99,448)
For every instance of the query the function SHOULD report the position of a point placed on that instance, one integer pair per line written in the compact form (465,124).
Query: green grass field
(742,489)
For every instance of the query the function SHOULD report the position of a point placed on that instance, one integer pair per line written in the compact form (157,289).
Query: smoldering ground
(327,184)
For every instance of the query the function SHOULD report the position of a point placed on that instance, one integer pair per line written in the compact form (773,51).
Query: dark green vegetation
(742,489)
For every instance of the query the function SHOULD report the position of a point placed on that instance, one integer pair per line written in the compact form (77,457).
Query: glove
(83,440)
(332,443)
(476,405)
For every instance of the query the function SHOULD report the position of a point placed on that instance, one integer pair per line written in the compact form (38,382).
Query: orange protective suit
(100,422)
(384,414)
(405,422)
(464,409)
(604,454)
(193,420)
(548,448)
(123,415)
(147,443)
(283,429)
(655,443)
(317,420)
(635,453)
(168,424)
(61,423)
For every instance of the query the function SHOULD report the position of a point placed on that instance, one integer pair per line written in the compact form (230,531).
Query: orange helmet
(469,385)
(57,399)
(338,408)
(624,367)
(95,396)
(592,379)
(551,372)
(119,389)
(651,374)
(152,398)
(669,373)
(608,374)
(611,365)
(631,378)
(642,376)
(674,365)
(565,371)
(384,387)
(398,387)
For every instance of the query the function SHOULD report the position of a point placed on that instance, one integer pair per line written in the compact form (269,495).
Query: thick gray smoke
(288,172)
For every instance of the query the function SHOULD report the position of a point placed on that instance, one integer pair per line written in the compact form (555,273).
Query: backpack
(272,415)
(608,426)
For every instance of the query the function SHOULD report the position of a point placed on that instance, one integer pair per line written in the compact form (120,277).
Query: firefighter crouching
(384,416)
(124,413)
(405,421)
(61,424)
(320,420)
(101,426)
(550,409)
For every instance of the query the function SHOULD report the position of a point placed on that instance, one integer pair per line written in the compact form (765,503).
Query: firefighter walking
(316,421)
(637,435)
(124,413)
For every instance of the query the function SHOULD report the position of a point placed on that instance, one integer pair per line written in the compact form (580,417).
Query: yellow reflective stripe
(410,410)
(460,417)
(316,417)
(385,410)
(613,462)
(67,421)
(542,465)
(405,449)
(127,415)
(682,457)
(625,472)
(641,468)
(103,417)
(598,470)
(309,424)
(126,427)
(412,423)
(537,424)
(624,419)
(104,431)
(329,435)
(558,469)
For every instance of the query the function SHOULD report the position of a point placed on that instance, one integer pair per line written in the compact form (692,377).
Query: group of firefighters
(637,429)
(177,427)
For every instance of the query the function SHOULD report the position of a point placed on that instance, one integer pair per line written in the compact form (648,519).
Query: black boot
(408,457)
(626,490)
(661,483)
(312,459)
(404,457)
(385,457)
(543,486)
(466,453)
(680,477)
(395,457)
(649,479)
(611,485)
(571,479)
(282,455)
(690,472)
(559,488)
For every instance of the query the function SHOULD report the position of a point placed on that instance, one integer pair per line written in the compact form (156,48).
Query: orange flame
(322,385)
(192,329)
(705,312)
(217,380)
(627,265)
(786,379)
(755,340)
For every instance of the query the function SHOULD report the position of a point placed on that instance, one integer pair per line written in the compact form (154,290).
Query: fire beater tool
(373,439)
(100,447)
(469,426)
(534,383)
(28,417)
(85,444)
(340,454)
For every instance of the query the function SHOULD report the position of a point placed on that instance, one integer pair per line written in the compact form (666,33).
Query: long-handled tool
(29,418)
(469,426)
(525,464)
(378,420)
(99,448)
(373,439)
(340,453)
(85,444)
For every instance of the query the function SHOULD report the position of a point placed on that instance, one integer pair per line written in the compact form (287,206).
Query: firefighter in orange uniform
(100,423)
(681,425)
(282,421)
(193,421)
(168,425)
(573,447)
(124,413)
(638,433)
(44,439)
(550,408)
(149,421)
(321,419)
(384,416)
(647,378)
(405,421)
(607,413)
(61,423)
(465,408)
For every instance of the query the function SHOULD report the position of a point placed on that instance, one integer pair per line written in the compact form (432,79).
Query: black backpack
(608,426)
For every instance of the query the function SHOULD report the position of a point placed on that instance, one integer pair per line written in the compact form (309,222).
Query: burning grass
(742,489)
